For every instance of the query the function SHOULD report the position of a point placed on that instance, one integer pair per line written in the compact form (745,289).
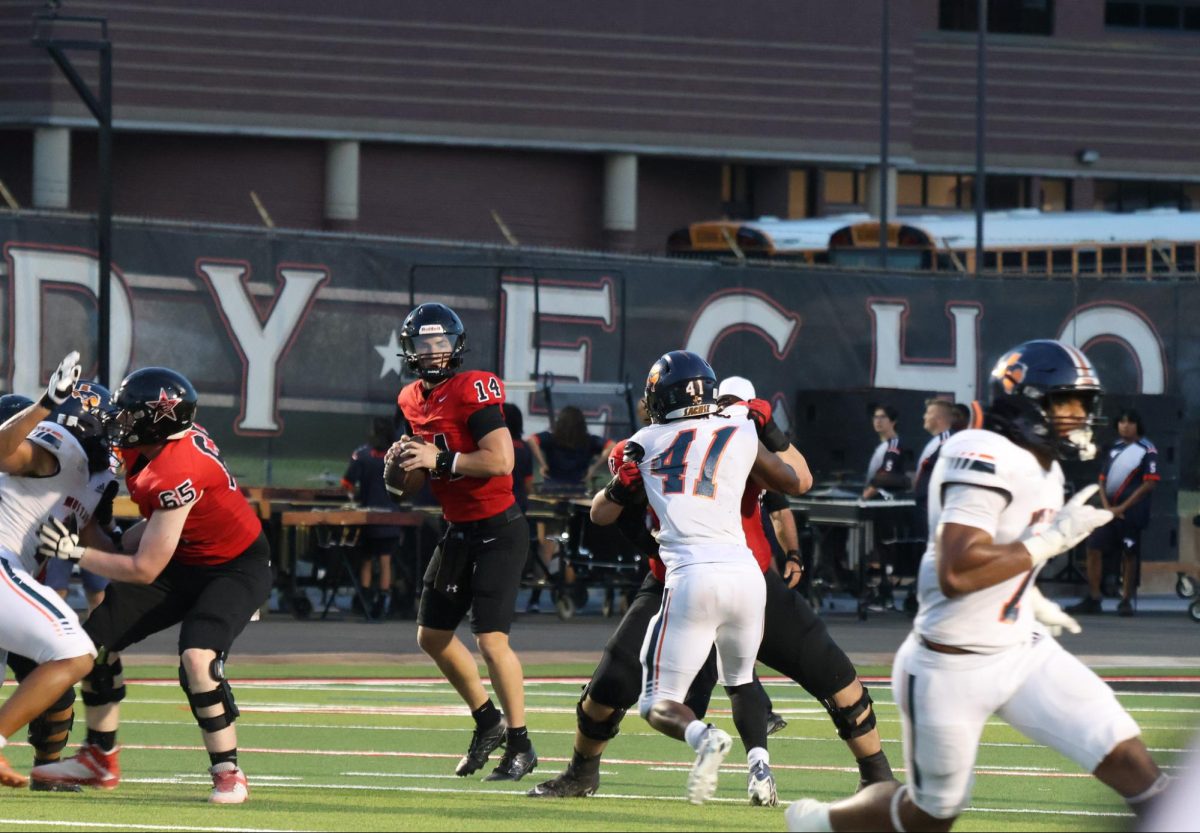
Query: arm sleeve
(972,506)
(485,421)
(104,509)
(774,501)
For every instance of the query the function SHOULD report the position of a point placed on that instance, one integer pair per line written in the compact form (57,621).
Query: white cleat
(702,780)
(761,786)
(807,814)
(229,785)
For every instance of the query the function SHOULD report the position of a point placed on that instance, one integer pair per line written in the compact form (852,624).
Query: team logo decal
(87,395)
(164,406)
(1010,371)
(652,379)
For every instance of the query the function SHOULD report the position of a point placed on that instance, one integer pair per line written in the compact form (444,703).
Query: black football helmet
(12,404)
(1024,383)
(151,405)
(85,414)
(433,320)
(680,385)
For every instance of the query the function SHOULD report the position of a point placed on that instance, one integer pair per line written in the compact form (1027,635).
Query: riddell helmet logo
(89,398)
(164,406)
(1010,371)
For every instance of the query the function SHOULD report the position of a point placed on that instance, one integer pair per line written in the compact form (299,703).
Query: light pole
(980,128)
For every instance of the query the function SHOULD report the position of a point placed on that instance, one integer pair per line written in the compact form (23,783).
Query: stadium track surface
(1163,638)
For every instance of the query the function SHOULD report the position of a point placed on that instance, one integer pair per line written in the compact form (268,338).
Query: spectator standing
(1128,475)
(939,421)
(363,484)
(885,472)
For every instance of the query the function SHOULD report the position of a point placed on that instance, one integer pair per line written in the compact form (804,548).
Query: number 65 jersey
(695,473)
(189,470)
(985,481)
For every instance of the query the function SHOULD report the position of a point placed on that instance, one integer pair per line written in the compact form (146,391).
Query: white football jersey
(695,472)
(26,501)
(983,480)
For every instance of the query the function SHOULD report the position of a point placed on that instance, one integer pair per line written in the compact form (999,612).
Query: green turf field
(374,748)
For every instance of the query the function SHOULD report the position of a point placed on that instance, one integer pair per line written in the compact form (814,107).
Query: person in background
(567,459)
(939,422)
(885,472)
(1128,475)
(522,473)
(961,419)
(363,484)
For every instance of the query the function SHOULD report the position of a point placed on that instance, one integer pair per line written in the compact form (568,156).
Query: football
(400,483)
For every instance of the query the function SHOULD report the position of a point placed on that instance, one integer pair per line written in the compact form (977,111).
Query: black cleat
(482,745)
(53,787)
(571,784)
(775,723)
(514,766)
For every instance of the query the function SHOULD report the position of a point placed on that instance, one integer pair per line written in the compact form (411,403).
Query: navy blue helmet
(680,384)
(433,320)
(12,404)
(1026,380)
(84,414)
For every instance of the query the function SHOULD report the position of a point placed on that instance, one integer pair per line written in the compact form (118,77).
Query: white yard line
(26,824)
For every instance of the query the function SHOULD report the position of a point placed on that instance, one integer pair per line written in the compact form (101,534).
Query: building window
(910,190)
(1055,196)
(1006,17)
(1166,16)
(845,188)
(798,204)
(1134,195)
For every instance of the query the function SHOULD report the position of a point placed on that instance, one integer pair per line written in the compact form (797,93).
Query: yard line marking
(25,824)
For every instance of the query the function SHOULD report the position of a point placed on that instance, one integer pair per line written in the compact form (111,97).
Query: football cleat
(482,745)
(514,765)
(807,814)
(775,723)
(761,786)
(51,787)
(89,767)
(229,785)
(702,780)
(9,777)
(571,784)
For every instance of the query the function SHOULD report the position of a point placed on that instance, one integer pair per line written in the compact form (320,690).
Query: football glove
(1051,615)
(1072,524)
(62,381)
(626,487)
(760,413)
(59,540)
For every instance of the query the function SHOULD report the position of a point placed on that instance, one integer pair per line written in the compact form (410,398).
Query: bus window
(1037,261)
(908,259)
(1135,260)
(1111,260)
(1162,257)
(991,261)
(1185,257)
(1088,261)
(946,262)
(1061,261)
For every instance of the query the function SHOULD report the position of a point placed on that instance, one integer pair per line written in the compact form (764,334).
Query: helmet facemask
(433,356)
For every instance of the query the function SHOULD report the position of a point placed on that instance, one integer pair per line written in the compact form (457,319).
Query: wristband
(46,402)
(454,463)
(793,555)
(445,460)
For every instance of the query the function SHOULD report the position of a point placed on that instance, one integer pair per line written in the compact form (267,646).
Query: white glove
(62,381)
(1050,614)
(59,540)
(1072,524)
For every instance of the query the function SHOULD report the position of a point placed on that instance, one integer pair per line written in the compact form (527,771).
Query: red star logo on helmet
(164,406)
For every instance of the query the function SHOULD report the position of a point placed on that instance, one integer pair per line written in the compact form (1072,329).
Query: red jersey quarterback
(456,432)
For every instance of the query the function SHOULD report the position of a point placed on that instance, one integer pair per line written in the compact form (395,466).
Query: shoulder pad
(978,458)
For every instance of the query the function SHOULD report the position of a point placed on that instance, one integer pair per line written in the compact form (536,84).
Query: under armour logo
(451,588)
(163,407)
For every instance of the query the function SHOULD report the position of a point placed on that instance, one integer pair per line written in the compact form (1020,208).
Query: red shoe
(90,767)
(9,777)
(229,785)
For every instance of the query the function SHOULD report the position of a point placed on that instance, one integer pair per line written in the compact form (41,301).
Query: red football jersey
(440,416)
(751,509)
(189,470)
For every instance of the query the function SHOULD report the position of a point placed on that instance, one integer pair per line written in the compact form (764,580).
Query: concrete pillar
(52,167)
(874,181)
(770,191)
(620,202)
(341,184)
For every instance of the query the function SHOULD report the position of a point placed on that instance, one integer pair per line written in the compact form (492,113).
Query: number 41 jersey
(983,480)
(695,472)
(189,470)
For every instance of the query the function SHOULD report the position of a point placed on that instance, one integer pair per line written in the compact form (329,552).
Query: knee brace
(598,730)
(105,683)
(222,696)
(48,732)
(845,718)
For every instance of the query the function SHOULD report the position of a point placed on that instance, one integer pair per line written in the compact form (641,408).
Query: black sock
(229,757)
(518,740)
(875,768)
(107,741)
(585,764)
(486,716)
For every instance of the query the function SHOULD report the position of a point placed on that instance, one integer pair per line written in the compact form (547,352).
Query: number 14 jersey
(695,472)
